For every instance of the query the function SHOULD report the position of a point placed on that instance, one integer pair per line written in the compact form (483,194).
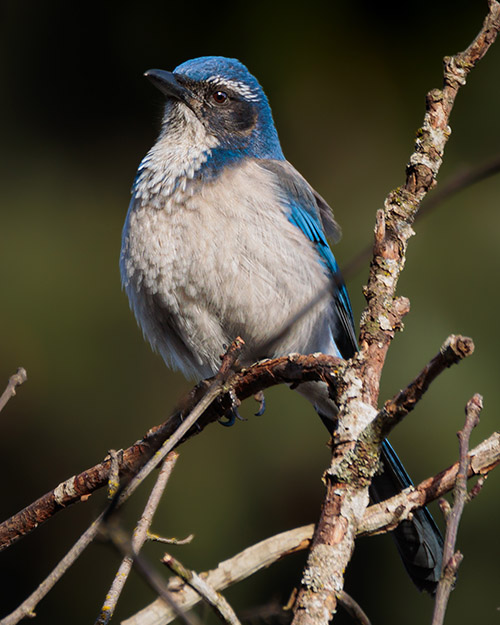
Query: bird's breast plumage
(217,260)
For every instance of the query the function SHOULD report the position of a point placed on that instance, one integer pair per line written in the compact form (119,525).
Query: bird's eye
(219,97)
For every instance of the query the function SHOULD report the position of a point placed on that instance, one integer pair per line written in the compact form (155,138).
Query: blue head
(226,100)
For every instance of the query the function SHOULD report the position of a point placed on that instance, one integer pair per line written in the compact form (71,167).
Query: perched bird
(224,238)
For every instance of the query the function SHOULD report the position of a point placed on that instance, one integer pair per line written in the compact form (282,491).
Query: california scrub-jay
(224,238)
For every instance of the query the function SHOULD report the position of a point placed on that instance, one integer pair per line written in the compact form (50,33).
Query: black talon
(231,416)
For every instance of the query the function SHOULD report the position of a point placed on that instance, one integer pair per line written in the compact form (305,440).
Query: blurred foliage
(347,84)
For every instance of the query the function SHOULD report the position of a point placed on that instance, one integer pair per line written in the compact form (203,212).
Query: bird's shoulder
(301,196)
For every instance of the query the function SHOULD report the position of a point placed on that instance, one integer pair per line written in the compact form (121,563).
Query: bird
(224,238)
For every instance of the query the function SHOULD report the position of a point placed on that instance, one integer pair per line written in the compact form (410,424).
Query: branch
(288,369)
(27,607)
(291,369)
(352,467)
(394,222)
(15,380)
(452,558)
(377,518)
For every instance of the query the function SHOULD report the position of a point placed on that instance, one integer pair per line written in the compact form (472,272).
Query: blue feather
(311,227)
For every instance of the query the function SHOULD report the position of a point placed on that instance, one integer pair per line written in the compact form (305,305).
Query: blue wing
(312,215)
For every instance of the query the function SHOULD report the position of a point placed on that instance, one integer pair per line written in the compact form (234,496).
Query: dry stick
(287,369)
(377,518)
(15,380)
(27,607)
(452,558)
(139,537)
(213,598)
(352,466)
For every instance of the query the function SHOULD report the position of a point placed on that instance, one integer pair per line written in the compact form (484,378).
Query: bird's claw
(231,417)
(259,396)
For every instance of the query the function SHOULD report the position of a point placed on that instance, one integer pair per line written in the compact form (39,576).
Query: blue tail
(418,541)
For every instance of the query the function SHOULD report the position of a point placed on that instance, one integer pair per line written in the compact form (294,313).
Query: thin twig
(114,474)
(139,537)
(213,598)
(169,541)
(15,380)
(121,542)
(452,558)
(352,608)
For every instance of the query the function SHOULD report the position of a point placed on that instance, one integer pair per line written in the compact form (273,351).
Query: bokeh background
(347,84)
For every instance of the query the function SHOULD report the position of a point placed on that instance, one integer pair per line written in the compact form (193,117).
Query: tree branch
(377,518)
(348,478)
(27,607)
(288,369)
(15,380)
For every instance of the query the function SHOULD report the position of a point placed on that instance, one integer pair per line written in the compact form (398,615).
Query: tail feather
(419,541)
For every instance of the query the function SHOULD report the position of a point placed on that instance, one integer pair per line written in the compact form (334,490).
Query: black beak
(168,84)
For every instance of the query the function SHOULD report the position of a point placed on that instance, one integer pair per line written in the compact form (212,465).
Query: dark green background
(347,84)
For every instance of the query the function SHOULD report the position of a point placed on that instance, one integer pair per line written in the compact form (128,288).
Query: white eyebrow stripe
(240,87)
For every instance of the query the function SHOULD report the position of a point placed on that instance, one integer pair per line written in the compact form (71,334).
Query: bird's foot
(233,413)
